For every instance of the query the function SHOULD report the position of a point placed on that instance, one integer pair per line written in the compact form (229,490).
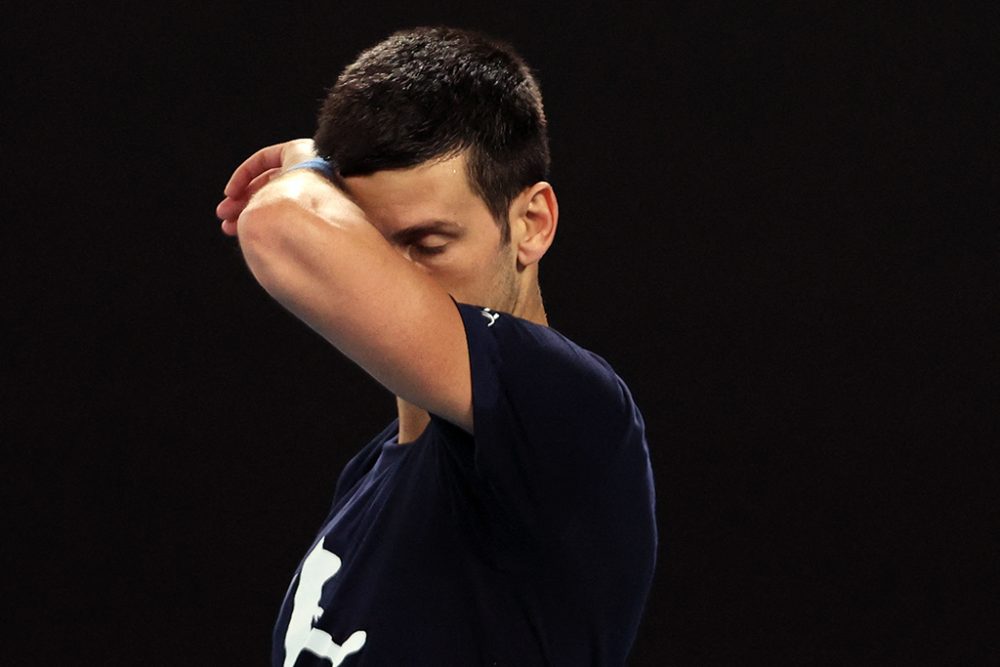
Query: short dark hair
(430,93)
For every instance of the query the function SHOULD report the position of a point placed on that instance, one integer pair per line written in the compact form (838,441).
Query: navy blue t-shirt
(530,543)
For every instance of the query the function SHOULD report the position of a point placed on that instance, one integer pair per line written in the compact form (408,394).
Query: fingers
(229,227)
(230,209)
(263,160)
(261,180)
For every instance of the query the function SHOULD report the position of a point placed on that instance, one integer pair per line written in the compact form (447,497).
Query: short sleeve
(557,436)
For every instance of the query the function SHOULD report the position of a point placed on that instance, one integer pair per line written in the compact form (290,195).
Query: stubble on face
(504,289)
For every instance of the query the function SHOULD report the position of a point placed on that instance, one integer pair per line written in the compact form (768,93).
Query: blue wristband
(317,164)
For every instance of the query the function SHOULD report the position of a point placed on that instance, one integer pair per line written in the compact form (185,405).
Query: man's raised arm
(312,248)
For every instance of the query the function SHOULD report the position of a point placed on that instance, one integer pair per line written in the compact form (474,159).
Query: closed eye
(427,239)
(429,243)
(429,249)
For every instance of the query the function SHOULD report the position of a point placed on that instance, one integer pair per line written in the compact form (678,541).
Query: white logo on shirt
(318,568)
(490,315)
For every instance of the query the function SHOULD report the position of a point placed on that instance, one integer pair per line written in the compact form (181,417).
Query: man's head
(432,93)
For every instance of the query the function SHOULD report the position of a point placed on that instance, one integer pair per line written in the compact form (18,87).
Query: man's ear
(533,224)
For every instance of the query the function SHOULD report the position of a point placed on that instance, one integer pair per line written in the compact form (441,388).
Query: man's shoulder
(533,341)
(539,369)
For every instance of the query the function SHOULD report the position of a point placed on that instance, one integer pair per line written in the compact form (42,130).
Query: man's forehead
(450,168)
(436,190)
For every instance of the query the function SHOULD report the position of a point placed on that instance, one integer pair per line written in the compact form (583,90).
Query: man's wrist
(317,164)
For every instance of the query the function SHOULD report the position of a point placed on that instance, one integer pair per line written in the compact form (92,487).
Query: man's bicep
(343,279)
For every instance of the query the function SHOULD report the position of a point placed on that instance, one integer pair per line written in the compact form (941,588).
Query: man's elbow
(263,230)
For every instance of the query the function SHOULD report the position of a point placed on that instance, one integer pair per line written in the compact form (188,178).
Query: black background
(777,225)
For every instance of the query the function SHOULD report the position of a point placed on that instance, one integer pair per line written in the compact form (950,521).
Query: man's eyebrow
(425,229)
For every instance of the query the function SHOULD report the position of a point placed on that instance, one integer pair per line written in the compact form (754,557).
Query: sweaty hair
(431,93)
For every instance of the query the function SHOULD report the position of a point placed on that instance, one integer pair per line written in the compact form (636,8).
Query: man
(506,516)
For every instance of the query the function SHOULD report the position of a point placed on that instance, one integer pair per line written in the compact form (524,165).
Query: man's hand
(256,172)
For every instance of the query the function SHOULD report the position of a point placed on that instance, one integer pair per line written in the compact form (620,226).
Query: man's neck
(528,303)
